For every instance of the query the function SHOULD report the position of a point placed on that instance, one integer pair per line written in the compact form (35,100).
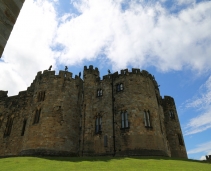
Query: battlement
(126,72)
(51,74)
(3,94)
(169,100)
(91,70)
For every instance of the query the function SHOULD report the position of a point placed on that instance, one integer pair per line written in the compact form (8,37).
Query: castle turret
(53,123)
(173,129)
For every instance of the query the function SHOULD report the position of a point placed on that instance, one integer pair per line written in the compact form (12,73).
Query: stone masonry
(122,114)
(9,11)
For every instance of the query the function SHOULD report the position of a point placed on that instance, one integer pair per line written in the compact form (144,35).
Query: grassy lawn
(100,163)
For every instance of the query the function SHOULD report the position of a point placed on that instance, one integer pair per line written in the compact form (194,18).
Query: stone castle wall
(9,11)
(90,116)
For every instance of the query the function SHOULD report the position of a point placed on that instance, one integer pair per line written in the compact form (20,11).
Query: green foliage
(101,163)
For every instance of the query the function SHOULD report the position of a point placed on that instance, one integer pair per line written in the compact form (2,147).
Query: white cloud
(202,102)
(202,148)
(141,35)
(28,49)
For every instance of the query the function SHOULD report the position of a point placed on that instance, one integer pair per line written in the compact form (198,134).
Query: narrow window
(8,127)
(105,141)
(41,96)
(147,119)
(119,87)
(24,126)
(171,113)
(37,116)
(124,117)
(101,92)
(180,139)
(123,122)
(98,122)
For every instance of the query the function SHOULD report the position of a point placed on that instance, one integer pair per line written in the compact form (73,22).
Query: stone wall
(9,11)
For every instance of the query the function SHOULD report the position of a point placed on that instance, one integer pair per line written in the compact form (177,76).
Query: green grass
(101,163)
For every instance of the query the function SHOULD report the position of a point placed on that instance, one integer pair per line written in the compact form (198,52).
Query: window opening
(99,92)
(105,141)
(125,123)
(98,123)
(24,127)
(119,87)
(180,139)
(147,119)
(171,113)
(8,127)
(37,116)
(41,96)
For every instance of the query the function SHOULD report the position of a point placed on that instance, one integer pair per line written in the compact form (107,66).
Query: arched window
(8,127)
(147,119)
(98,122)
(37,116)
(24,127)
(124,116)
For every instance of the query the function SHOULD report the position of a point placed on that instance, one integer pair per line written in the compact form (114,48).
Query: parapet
(51,74)
(91,70)
(168,100)
(126,72)
(3,94)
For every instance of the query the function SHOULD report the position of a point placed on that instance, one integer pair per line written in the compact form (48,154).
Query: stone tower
(173,129)
(9,11)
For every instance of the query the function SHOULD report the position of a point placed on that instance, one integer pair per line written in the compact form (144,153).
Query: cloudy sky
(170,39)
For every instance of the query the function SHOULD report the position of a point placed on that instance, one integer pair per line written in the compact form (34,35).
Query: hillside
(101,163)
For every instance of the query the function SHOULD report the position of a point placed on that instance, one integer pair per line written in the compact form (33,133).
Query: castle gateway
(122,114)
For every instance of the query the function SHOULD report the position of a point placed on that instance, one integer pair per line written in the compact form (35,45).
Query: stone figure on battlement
(49,68)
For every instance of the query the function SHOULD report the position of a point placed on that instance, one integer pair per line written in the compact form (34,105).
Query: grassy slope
(100,163)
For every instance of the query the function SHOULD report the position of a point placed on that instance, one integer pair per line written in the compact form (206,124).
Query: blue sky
(170,39)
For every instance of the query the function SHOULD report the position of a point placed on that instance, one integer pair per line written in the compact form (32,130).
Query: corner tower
(173,129)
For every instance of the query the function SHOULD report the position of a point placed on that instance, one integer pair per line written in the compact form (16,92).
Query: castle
(122,114)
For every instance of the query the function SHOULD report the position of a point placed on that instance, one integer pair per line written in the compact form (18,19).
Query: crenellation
(118,115)
(136,71)
(3,94)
